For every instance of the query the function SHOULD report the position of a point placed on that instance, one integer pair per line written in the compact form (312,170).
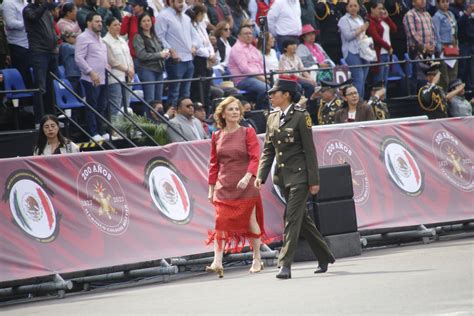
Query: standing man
(43,53)
(91,58)
(185,122)
(289,140)
(284,21)
(16,37)
(328,14)
(177,34)
(421,37)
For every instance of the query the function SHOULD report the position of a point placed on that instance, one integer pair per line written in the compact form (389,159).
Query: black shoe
(323,266)
(284,273)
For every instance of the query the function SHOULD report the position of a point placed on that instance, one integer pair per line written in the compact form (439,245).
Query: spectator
(222,33)
(158,106)
(245,59)
(91,58)
(329,13)
(431,97)
(239,11)
(178,35)
(324,104)
(271,59)
(150,59)
(156,6)
(458,7)
(67,59)
(218,12)
(200,114)
(68,22)
(185,123)
(397,9)
(205,56)
(284,21)
(50,140)
(458,105)
(421,37)
(43,55)
(466,43)
(446,29)
(379,29)
(130,23)
(106,9)
(352,29)
(377,98)
(17,38)
(289,61)
(121,64)
(312,54)
(354,109)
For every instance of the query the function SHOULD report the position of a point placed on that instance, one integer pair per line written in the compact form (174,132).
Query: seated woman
(271,58)
(312,54)
(289,61)
(50,139)
(354,109)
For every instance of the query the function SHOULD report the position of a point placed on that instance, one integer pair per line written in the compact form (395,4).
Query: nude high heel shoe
(219,271)
(256,270)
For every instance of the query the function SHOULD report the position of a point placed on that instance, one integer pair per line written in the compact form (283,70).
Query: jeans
(42,64)
(256,86)
(181,70)
(382,75)
(151,92)
(308,88)
(117,97)
(96,96)
(358,74)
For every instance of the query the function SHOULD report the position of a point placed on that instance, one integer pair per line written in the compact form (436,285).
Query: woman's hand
(244,181)
(210,195)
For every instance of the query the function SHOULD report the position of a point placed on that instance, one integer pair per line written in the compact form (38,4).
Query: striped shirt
(419,29)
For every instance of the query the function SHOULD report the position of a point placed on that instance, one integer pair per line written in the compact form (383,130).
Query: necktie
(282,118)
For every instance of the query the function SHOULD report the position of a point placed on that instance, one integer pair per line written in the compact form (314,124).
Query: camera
(262,23)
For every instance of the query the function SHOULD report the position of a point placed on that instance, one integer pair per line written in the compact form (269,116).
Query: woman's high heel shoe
(219,271)
(256,270)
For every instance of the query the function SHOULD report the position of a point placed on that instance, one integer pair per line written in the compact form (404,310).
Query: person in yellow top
(289,141)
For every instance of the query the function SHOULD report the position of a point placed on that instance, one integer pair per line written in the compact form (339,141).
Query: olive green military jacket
(292,146)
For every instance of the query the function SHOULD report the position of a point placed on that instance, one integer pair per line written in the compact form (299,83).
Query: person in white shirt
(50,139)
(284,21)
(120,60)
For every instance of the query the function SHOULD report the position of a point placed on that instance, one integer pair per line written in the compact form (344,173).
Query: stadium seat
(217,73)
(395,72)
(137,89)
(12,80)
(409,66)
(64,98)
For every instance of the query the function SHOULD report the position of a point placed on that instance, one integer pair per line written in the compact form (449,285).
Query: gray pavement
(432,279)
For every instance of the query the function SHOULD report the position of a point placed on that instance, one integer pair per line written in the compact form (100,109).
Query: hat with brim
(308,28)
(328,85)
(227,84)
(433,69)
(285,84)
(453,84)
(377,86)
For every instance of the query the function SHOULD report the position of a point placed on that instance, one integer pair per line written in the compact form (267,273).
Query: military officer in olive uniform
(289,140)
(324,104)
(376,101)
(431,97)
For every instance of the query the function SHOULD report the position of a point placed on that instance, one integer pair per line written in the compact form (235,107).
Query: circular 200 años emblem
(337,152)
(102,198)
(31,206)
(402,166)
(168,191)
(455,165)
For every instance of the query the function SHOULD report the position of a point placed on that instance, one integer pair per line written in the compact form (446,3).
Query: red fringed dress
(232,156)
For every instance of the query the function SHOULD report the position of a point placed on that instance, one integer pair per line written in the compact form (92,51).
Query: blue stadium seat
(395,72)
(12,80)
(409,66)
(217,73)
(64,98)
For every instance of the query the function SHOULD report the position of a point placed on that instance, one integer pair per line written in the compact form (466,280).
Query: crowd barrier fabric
(61,214)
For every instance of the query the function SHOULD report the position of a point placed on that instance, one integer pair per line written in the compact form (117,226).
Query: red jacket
(375,31)
(130,27)
(262,9)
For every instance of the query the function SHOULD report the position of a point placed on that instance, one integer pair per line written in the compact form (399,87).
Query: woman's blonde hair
(220,121)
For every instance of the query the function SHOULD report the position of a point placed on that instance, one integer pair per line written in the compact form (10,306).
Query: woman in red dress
(233,165)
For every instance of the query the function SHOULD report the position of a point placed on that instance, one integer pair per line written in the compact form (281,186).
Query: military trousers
(298,221)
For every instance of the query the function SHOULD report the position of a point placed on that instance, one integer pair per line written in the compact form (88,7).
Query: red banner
(90,210)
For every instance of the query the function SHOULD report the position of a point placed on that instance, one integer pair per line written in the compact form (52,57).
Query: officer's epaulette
(273,112)
(338,102)
(299,108)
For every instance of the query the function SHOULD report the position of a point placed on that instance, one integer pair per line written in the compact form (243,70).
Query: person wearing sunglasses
(185,123)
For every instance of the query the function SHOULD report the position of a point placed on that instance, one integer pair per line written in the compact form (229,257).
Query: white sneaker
(105,136)
(116,136)
(97,138)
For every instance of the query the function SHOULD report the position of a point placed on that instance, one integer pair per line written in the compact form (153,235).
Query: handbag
(367,50)
(450,50)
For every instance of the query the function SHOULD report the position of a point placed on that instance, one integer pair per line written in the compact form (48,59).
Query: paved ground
(433,279)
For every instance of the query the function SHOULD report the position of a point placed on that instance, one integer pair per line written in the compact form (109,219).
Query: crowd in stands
(176,40)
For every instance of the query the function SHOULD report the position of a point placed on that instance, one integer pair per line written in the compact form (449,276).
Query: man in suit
(185,123)
(289,140)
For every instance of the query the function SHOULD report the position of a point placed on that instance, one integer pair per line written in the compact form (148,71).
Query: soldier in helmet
(289,140)
(324,104)
(377,97)
(431,97)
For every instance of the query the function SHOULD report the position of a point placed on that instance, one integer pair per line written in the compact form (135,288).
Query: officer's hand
(258,183)
(314,189)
